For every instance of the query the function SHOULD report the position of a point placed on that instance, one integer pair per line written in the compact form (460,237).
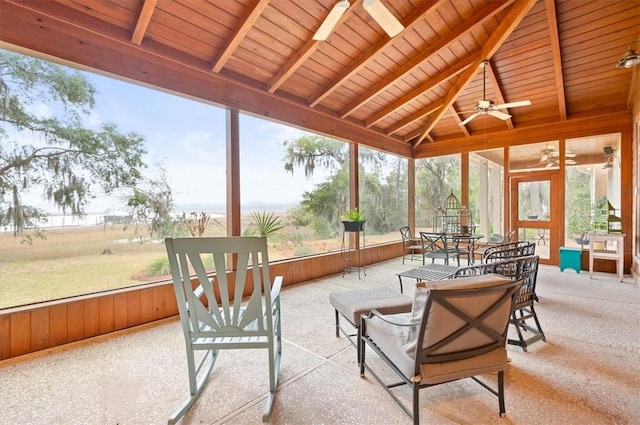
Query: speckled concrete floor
(588,371)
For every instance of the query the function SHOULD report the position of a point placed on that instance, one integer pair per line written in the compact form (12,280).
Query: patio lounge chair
(212,313)
(456,329)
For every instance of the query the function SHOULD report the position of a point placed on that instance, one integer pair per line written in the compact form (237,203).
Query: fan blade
(331,20)
(472,116)
(500,115)
(513,104)
(383,17)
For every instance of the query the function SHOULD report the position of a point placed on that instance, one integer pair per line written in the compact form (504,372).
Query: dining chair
(213,314)
(410,244)
(524,317)
(456,329)
(438,246)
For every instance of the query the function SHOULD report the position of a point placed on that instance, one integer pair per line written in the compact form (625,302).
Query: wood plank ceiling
(400,94)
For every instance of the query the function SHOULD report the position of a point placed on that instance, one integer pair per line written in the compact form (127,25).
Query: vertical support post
(233,172)
(354,186)
(233,178)
(411,195)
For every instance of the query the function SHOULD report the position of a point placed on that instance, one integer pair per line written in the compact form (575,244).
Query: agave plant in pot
(353,221)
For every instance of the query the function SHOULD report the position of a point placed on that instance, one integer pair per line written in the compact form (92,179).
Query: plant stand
(352,248)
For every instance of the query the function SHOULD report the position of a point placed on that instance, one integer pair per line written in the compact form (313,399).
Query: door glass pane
(539,236)
(533,200)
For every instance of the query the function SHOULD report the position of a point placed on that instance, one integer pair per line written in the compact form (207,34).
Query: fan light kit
(375,8)
(487,107)
(630,58)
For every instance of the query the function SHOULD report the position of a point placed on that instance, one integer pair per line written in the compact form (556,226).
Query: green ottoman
(570,258)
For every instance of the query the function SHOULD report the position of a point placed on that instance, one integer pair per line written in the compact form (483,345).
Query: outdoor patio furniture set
(454,326)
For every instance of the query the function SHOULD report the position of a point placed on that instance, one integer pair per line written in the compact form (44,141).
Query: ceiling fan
(551,157)
(487,107)
(375,8)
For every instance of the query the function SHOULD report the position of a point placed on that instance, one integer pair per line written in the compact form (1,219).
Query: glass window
(486,196)
(436,179)
(296,179)
(591,179)
(383,194)
(117,242)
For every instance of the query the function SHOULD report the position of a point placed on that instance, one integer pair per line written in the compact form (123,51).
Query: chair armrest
(275,289)
(383,317)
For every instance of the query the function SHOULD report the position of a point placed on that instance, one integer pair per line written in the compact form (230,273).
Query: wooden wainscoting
(40,326)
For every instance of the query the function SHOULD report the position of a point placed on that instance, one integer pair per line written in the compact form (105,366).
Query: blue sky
(188,138)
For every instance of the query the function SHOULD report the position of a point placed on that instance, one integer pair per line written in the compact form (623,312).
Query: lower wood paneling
(37,327)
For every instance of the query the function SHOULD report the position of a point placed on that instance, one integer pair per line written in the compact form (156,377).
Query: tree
(330,199)
(46,145)
(152,203)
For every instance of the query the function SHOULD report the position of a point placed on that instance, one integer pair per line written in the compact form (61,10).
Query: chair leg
(503,411)
(416,404)
(275,355)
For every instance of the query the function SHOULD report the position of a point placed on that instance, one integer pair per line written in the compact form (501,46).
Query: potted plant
(354,221)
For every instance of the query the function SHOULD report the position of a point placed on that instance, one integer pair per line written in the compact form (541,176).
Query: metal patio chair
(410,244)
(438,246)
(457,329)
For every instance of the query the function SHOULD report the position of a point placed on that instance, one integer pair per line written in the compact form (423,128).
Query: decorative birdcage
(466,223)
(439,220)
(451,218)
(606,221)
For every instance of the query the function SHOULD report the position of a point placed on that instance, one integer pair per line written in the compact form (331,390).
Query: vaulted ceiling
(404,94)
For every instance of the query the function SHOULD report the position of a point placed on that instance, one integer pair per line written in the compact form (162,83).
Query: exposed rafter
(419,91)
(497,90)
(550,6)
(506,26)
(142,22)
(246,23)
(458,120)
(417,15)
(488,11)
(303,54)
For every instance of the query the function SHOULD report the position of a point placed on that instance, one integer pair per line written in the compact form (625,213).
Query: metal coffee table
(428,272)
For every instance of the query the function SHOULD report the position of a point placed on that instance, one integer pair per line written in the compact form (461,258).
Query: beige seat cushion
(354,304)
(399,342)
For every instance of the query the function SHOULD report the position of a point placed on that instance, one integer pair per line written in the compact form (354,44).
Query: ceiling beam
(142,21)
(497,90)
(458,120)
(553,130)
(247,21)
(369,55)
(552,19)
(309,48)
(464,28)
(508,23)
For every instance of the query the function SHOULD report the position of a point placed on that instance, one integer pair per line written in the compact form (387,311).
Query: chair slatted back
(465,322)
(405,233)
(520,268)
(509,250)
(214,305)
